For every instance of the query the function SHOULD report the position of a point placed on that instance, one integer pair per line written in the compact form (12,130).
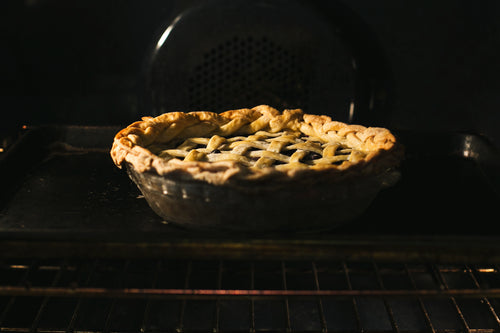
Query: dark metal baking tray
(61,193)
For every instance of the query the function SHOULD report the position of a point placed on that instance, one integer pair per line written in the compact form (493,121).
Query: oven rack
(91,208)
(172,295)
(416,272)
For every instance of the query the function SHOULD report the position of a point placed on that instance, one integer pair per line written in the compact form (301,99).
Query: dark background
(78,62)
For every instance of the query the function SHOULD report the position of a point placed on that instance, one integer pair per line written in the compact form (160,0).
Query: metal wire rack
(246,296)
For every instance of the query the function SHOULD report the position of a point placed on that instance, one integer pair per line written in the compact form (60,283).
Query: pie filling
(282,150)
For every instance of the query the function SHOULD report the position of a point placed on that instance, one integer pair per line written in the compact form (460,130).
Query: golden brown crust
(378,146)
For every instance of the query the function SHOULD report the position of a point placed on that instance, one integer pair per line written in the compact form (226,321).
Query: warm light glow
(167,32)
(351,112)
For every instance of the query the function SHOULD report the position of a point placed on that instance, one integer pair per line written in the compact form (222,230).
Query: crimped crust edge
(383,150)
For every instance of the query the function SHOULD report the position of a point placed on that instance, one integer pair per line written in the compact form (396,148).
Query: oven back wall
(79,62)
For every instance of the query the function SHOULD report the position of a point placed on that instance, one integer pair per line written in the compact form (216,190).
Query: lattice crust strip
(287,149)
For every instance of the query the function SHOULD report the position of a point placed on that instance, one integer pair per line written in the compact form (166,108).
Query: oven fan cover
(223,55)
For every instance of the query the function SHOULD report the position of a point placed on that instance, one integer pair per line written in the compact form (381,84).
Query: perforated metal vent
(249,71)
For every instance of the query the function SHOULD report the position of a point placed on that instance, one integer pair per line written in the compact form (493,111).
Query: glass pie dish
(256,169)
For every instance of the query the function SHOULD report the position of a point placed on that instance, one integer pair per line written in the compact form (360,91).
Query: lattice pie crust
(253,145)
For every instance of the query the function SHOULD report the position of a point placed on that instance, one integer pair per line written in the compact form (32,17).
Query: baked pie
(209,161)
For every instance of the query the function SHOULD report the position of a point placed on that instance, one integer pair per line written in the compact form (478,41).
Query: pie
(254,145)
(256,169)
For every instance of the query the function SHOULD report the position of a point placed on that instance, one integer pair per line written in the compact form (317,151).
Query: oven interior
(81,250)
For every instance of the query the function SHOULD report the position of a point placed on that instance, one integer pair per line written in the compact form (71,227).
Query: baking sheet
(60,190)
